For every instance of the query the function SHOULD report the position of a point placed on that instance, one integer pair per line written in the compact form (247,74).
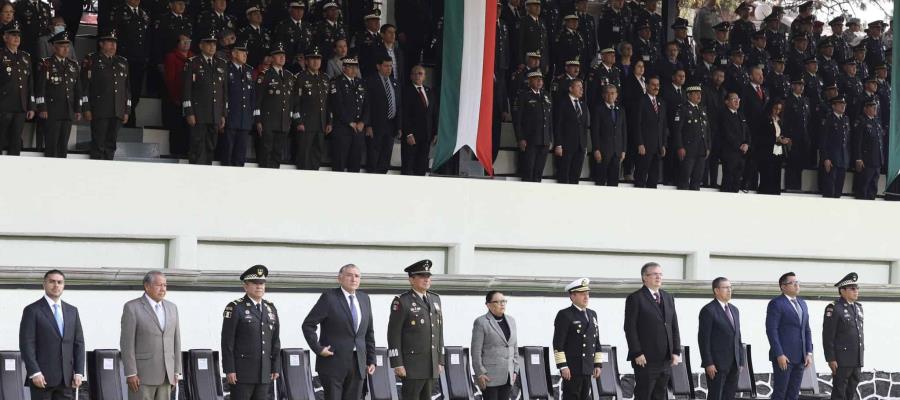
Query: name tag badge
(616,29)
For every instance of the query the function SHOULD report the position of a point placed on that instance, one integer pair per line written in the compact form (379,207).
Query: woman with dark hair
(626,61)
(770,147)
(494,349)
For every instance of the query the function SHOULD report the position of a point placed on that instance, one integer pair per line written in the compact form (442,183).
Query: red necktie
(655,105)
(422,95)
(759,92)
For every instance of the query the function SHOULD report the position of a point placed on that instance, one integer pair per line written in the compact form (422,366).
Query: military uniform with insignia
(241,112)
(588,29)
(275,102)
(257,38)
(841,47)
(57,93)
(867,151)
(758,56)
(850,87)
(576,344)
(601,76)
(131,24)
(835,138)
(533,37)
(16,99)
(743,29)
(567,46)
(213,22)
(327,32)
(534,127)
(415,336)
(347,102)
(875,49)
(796,126)
(165,34)
(366,44)
(828,66)
(34,22)
(776,42)
(205,98)
(812,85)
(614,26)
(843,339)
(692,135)
(313,114)
(105,98)
(251,344)
(296,35)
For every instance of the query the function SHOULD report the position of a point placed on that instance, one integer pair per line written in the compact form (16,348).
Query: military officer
(532,35)
(242,111)
(775,38)
(533,128)
(17,100)
(850,86)
(736,76)
(645,49)
(560,86)
(874,44)
(795,125)
(605,73)
(743,27)
(867,151)
(34,22)
(833,149)
(758,55)
(577,325)
(777,82)
(843,340)
(131,23)
(314,118)
(329,30)
(167,29)
(256,35)
(691,138)
(721,43)
(568,44)
(366,44)
(828,65)
(796,55)
(686,54)
(204,100)
(105,96)
(841,48)
(275,102)
(350,114)
(812,83)
(615,25)
(57,95)
(862,69)
(587,26)
(214,20)
(251,347)
(415,334)
(294,32)
(518,80)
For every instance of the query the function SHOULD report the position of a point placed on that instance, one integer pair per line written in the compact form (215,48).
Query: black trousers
(309,146)
(250,391)
(844,383)
(379,148)
(723,386)
(646,170)
(690,173)
(11,125)
(347,385)
(416,389)
(60,392)
(732,171)
(797,159)
(568,167)
(751,173)
(496,392)
(203,143)
(137,69)
(270,148)
(104,132)
(711,176)
(531,162)
(577,388)
(606,172)
(832,182)
(651,380)
(865,183)
(232,147)
(769,174)
(414,159)
(499,108)
(179,134)
(346,149)
(57,133)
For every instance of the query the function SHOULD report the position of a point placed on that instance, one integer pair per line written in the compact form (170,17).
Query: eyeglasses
(500,302)
(792,283)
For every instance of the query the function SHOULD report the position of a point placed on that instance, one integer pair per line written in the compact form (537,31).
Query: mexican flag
(467,80)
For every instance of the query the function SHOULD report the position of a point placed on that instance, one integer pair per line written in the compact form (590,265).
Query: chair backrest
(106,375)
(456,380)
(609,384)
(202,379)
(382,384)
(12,377)
(534,376)
(810,382)
(746,382)
(682,383)
(296,375)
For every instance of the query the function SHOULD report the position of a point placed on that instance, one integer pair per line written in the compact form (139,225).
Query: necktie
(577,107)
(422,96)
(160,316)
(655,105)
(259,307)
(353,314)
(656,297)
(59,319)
(797,308)
(615,115)
(678,92)
(728,313)
(389,91)
(759,92)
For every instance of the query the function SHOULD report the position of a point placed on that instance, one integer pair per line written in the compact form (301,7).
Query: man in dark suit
(649,135)
(790,339)
(734,142)
(651,329)
(572,121)
(577,325)
(385,106)
(674,96)
(719,337)
(754,99)
(418,116)
(608,138)
(51,342)
(346,343)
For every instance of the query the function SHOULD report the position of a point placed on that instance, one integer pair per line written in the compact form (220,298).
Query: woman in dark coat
(769,149)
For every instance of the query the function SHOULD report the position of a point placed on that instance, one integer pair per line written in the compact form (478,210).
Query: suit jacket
(492,354)
(608,134)
(57,357)
(753,107)
(418,119)
(788,333)
(650,127)
(734,132)
(148,351)
(673,100)
(720,342)
(378,103)
(400,71)
(332,316)
(649,330)
(571,131)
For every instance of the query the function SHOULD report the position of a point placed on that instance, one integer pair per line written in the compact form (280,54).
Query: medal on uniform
(413,322)
(247,312)
(422,321)
(277,91)
(8,69)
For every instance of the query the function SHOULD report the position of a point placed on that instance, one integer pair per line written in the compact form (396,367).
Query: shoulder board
(24,53)
(434,294)
(831,304)
(395,304)
(120,58)
(219,59)
(268,302)
(238,300)
(45,61)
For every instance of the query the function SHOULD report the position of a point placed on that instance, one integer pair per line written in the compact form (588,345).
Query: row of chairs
(203,379)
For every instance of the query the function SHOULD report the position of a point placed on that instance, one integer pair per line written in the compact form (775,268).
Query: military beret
(422,267)
(255,273)
(680,23)
(60,38)
(849,279)
(837,20)
(579,285)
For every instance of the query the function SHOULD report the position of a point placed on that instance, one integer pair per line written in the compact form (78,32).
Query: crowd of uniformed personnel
(306,77)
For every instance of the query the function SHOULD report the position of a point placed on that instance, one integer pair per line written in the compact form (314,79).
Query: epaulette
(118,57)
(238,300)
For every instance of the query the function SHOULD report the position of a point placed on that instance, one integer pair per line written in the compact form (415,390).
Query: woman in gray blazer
(335,64)
(494,349)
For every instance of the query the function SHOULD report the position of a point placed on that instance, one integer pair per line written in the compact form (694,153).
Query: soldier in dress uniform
(736,77)
(168,27)
(275,102)
(859,55)
(105,96)
(587,26)
(721,43)
(204,100)
(241,110)
(874,44)
(707,65)
(850,87)
(812,83)
(777,82)
(251,344)
(616,24)
(294,32)
(743,28)
(568,44)
(796,55)
(867,151)
(256,35)
(131,23)
(350,115)
(795,125)
(215,20)
(57,93)
(533,35)
(775,39)
(649,14)
(34,22)
(560,86)
(833,148)
(366,43)
(841,47)
(828,65)
(692,140)
(605,73)
(313,115)
(686,54)
(534,128)
(577,325)
(843,339)
(884,96)
(645,49)
(758,55)
(416,334)
(17,100)
(328,30)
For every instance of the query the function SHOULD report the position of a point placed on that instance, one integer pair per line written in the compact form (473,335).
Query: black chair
(296,375)
(12,377)
(534,373)
(382,384)
(746,384)
(608,385)
(682,383)
(106,375)
(809,386)
(202,379)
(456,379)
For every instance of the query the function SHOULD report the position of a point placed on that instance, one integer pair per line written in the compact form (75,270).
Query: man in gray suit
(151,342)
(494,349)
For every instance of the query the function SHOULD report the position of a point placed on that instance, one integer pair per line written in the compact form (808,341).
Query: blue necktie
(59,319)
(389,90)
(353,314)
